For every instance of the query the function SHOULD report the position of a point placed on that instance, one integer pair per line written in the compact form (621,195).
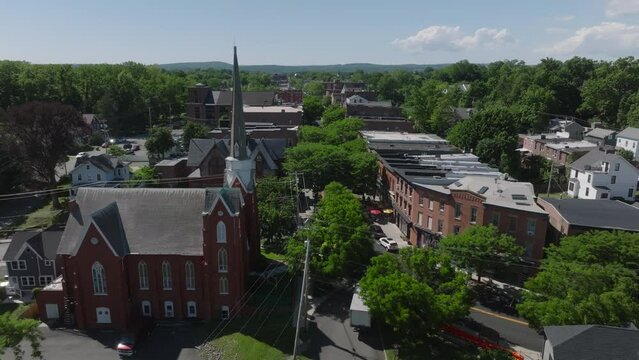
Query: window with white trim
(224,312)
(48,262)
(189,270)
(146,308)
(224,285)
(27,281)
(143,275)
(167,284)
(221,232)
(19,265)
(222,260)
(168,309)
(99,279)
(191,309)
(45,280)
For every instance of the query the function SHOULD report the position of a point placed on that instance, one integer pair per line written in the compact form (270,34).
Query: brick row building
(435,191)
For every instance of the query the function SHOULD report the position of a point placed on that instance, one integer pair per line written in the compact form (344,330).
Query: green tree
(626,154)
(363,172)
(277,210)
(115,151)
(339,235)
(589,278)
(313,109)
(314,88)
(480,248)
(320,163)
(193,131)
(146,175)
(44,134)
(14,330)
(415,293)
(159,141)
(333,113)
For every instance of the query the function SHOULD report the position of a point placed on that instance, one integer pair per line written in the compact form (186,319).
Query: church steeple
(239,166)
(238,130)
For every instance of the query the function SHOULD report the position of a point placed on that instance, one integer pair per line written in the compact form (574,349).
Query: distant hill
(285,69)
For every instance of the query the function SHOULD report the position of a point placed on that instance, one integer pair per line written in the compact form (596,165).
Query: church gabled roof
(145,220)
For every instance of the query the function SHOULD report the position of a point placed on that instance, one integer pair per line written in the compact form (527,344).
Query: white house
(629,139)
(602,175)
(99,168)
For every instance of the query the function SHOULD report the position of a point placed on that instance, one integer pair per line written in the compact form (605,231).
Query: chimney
(72,204)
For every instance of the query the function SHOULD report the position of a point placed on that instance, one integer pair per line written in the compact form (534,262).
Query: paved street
(165,343)
(332,336)
(515,330)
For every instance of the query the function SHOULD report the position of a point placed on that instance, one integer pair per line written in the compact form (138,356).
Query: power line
(239,302)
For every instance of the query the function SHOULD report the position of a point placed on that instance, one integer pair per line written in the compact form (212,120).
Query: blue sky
(295,32)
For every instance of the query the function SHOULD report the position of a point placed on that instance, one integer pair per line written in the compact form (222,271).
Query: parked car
(127,346)
(130,342)
(388,244)
(136,147)
(81,155)
(127,146)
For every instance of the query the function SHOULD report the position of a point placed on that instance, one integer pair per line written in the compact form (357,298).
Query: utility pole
(302,299)
(150,119)
(550,177)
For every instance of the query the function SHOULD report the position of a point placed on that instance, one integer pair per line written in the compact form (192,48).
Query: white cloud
(616,8)
(609,39)
(565,18)
(451,38)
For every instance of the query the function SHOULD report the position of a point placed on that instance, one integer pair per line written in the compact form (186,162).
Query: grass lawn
(43,217)
(263,334)
(273,256)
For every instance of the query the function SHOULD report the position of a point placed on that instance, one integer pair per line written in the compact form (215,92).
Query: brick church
(127,255)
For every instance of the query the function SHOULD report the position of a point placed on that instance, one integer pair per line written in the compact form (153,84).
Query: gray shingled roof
(629,133)
(600,133)
(149,221)
(103,161)
(108,220)
(199,149)
(593,342)
(44,243)
(599,214)
(593,159)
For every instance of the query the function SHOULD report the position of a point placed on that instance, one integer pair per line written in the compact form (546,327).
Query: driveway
(332,336)
(165,343)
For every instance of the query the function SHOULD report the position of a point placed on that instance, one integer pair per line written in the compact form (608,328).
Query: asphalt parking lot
(164,343)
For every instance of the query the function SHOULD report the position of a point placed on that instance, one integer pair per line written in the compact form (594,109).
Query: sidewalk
(392,231)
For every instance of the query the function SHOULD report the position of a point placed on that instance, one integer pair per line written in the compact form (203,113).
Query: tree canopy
(159,141)
(589,278)
(277,210)
(480,248)
(333,152)
(313,109)
(339,235)
(332,114)
(193,131)
(415,293)
(43,135)
(14,330)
